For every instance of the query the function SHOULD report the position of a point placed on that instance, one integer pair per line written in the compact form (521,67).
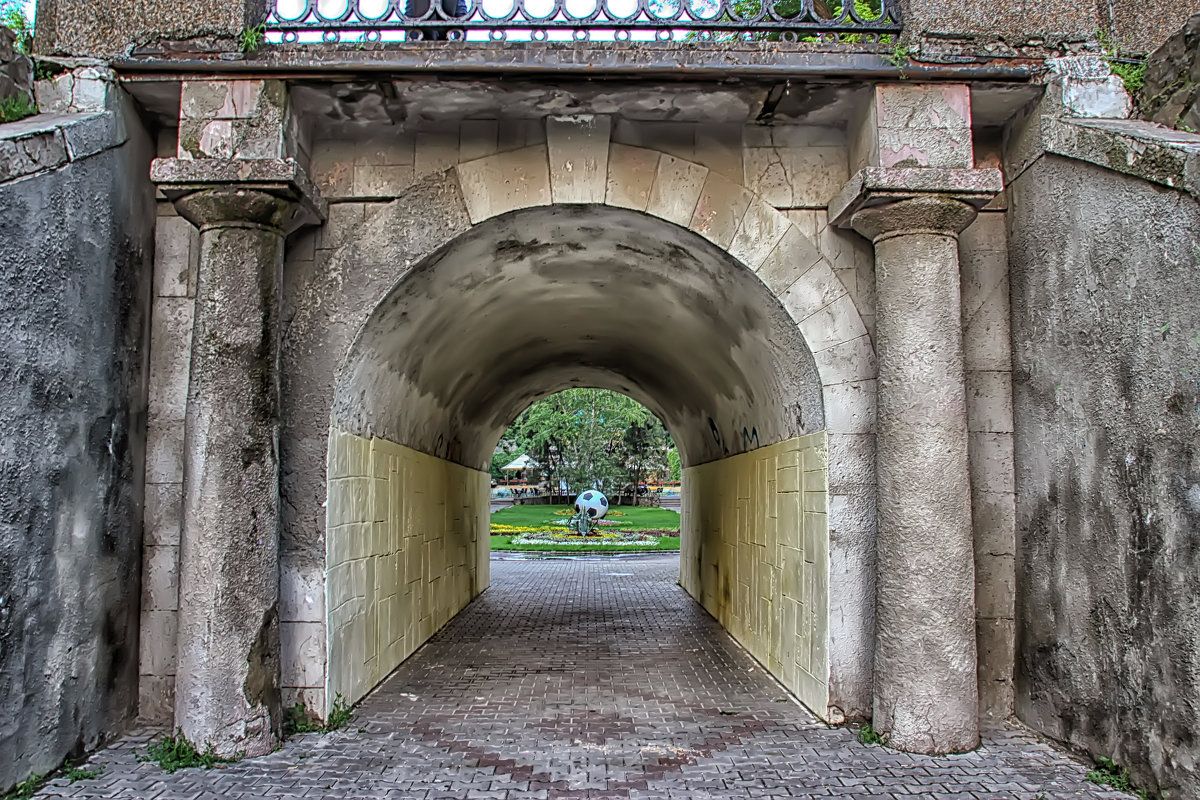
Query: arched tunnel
(533,302)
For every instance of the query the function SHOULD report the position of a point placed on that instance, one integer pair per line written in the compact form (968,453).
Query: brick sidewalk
(591,678)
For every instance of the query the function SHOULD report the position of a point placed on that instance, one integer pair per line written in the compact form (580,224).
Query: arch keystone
(578,153)
(505,182)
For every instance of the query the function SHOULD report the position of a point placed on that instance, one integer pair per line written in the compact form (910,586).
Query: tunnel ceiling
(551,298)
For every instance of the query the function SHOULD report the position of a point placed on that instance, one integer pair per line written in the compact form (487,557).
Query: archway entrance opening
(545,299)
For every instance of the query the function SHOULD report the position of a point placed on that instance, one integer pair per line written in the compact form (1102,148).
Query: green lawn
(633,518)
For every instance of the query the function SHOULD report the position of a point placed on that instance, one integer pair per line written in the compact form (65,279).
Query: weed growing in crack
(1109,773)
(175,752)
(869,736)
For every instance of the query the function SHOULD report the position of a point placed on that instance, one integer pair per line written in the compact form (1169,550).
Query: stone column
(227,678)
(926,696)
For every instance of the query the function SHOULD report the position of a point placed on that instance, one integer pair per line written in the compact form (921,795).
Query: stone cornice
(871,187)
(282,178)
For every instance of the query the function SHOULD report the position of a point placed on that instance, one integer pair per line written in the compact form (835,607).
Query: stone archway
(759,239)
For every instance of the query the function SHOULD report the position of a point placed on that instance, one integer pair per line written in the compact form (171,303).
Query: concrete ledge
(177,177)
(1142,149)
(874,186)
(48,141)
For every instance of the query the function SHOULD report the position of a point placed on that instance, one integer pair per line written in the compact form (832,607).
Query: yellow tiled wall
(406,549)
(755,553)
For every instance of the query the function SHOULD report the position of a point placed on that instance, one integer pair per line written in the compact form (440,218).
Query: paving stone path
(590,678)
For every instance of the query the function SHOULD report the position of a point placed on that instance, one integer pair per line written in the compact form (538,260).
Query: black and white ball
(592,503)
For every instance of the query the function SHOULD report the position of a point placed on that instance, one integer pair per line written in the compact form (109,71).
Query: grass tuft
(1109,773)
(869,736)
(175,752)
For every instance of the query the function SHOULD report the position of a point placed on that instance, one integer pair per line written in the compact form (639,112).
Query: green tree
(12,16)
(591,438)
(674,465)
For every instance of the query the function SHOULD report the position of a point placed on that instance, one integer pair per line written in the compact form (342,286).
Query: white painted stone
(991,460)
(760,231)
(505,182)
(163,513)
(176,255)
(989,401)
(792,257)
(170,357)
(301,592)
(847,362)
(578,152)
(815,289)
(164,451)
(835,323)
(156,647)
(676,189)
(719,209)
(478,138)
(302,654)
(631,172)
(160,578)
(850,407)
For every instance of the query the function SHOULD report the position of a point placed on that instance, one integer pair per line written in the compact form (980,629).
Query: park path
(591,678)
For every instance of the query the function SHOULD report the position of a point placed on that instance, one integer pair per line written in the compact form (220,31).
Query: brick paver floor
(591,678)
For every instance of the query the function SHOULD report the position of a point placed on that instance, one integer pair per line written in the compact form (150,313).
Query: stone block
(791,177)
(794,255)
(170,358)
(847,362)
(302,654)
(164,451)
(814,290)
(163,516)
(719,211)
(156,700)
(156,645)
(925,147)
(993,515)
(342,223)
(989,401)
(29,146)
(986,342)
(631,172)
(160,578)
(991,460)
(578,150)
(995,587)
(758,234)
(176,257)
(478,138)
(301,591)
(502,183)
(834,324)
(677,139)
(676,190)
(923,106)
(852,512)
(851,459)
(332,168)
(850,408)
(86,136)
(380,182)
(435,151)
(995,644)
(718,146)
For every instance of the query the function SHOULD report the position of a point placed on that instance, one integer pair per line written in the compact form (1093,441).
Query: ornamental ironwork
(583,20)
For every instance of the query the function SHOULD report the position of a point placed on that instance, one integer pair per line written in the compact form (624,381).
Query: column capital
(213,192)
(877,201)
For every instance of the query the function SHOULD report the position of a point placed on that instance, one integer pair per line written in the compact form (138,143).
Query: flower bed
(568,537)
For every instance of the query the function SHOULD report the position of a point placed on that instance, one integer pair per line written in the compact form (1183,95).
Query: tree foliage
(13,17)
(592,438)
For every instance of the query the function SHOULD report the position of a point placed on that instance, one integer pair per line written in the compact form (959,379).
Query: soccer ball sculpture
(592,503)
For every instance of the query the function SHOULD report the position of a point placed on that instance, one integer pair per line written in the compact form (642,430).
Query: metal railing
(583,20)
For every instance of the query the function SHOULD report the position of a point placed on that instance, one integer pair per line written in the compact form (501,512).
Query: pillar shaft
(227,682)
(926,697)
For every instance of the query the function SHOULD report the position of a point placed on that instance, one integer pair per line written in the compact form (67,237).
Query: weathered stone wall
(407,549)
(754,551)
(76,239)
(1172,86)
(1105,351)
